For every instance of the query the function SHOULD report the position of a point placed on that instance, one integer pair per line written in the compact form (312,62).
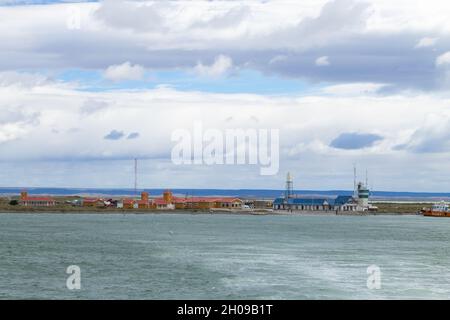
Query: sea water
(215,256)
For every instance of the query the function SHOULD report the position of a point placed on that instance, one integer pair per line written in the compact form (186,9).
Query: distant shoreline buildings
(292,202)
(167,201)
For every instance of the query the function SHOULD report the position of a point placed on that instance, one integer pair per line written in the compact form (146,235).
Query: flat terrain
(400,208)
(63,207)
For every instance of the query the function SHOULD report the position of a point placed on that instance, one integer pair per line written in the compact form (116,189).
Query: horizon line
(221,189)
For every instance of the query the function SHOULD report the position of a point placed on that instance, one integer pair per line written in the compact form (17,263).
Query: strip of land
(63,206)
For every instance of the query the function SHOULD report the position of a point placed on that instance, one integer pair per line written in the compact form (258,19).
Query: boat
(441,209)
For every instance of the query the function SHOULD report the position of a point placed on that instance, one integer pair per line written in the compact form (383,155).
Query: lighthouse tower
(289,186)
(363,196)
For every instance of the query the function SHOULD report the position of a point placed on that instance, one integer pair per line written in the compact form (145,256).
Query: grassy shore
(400,208)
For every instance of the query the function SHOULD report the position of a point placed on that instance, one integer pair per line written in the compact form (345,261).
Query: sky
(87,86)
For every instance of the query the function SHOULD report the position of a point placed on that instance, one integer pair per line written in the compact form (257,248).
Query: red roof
(160,201)
(38,199)
(131,201)
(128,201)
(211,199)
(197,199)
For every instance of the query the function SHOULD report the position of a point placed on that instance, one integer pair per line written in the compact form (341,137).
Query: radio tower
(135,175)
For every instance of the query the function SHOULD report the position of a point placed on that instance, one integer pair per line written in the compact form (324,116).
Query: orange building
(27,201)
(128,203)
(143,203)
(93,202)
(230,203)
(168,201)
(162,204)
(213,203)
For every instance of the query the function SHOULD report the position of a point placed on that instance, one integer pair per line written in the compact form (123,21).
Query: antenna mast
(367,179)
(135,175)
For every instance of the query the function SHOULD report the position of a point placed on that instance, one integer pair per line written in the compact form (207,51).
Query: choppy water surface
(183,256)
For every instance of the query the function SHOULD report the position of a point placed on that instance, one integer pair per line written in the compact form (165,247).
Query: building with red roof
(129,203)
(41,201)
(93,202)
(168,201)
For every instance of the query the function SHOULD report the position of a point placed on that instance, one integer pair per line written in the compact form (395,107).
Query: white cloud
(305,144)
(353,89)
(426,42)
(16,121)
(322,61)
(443,59)
(281,39)
(278,58)
(221,65)
(175,35)
(141,16)
(433,136)
(92,106)
(22,79)
(124,71)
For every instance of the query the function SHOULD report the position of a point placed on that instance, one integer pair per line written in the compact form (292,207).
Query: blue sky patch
(353,141)
(246,81)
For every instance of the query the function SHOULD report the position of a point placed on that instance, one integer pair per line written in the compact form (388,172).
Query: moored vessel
(441,209)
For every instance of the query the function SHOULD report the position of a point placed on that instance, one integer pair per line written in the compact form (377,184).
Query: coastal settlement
(288,202)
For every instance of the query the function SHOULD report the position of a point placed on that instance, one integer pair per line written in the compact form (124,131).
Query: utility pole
(135,175)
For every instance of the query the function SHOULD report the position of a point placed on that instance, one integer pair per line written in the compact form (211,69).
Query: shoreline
(48,210)
(62,207)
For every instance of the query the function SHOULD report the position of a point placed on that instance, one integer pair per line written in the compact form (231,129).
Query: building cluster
(340,203)
(359,201)
(166,202)
(169,202)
